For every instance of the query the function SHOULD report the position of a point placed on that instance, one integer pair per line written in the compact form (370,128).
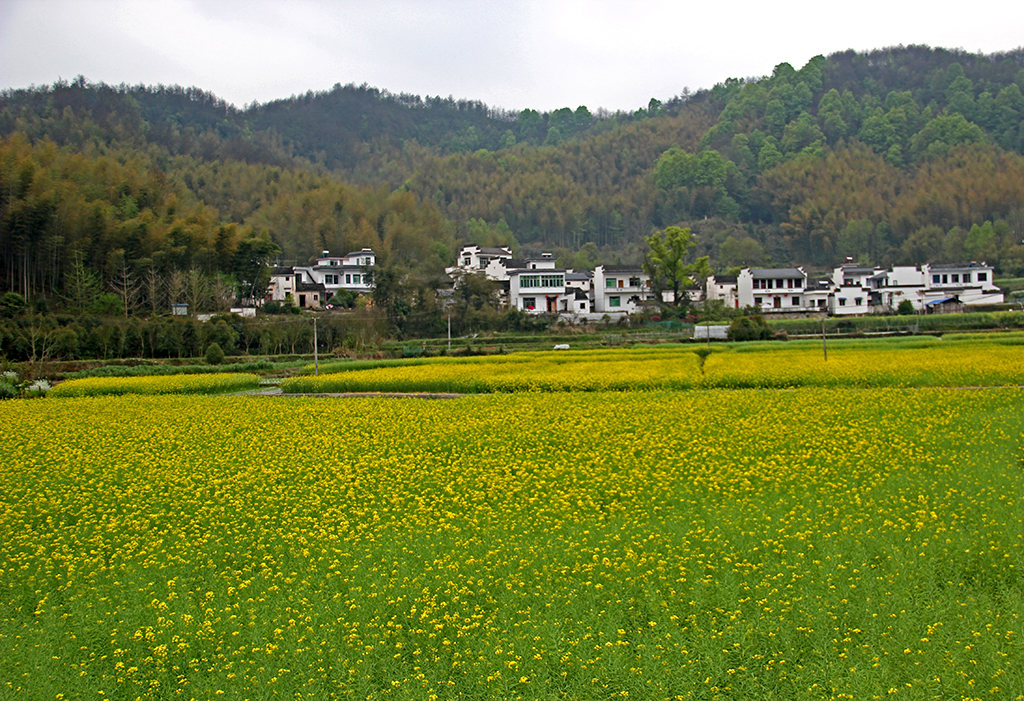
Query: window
(982,277)
(757,300)
(348,279)
(936,279)
(858,301)
(945,279)
(821,304)
(529,303)
(634,282)
(610,282)
(355,279)
(552,281)
(529,280)
(967,277)
(954,278)
(466,262)
(842,301)
(614,301)
(796,301)
(789,284)
(799,283)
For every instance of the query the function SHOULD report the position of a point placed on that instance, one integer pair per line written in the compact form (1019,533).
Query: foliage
(214,354)
(667,267)
(749,328)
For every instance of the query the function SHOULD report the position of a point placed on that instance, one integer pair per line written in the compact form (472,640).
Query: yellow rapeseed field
(748,544)
(963,364)
(157,384)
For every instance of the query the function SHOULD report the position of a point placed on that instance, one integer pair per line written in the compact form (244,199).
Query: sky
(512,54)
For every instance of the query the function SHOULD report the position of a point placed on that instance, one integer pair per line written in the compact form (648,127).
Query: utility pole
(449,330)
(824,340)
(316,355)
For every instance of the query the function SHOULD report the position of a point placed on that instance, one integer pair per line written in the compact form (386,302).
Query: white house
(723,288)
(490,261)
(620,288)
(857,289)
(540,290)
(775,290)
(971,284)
(928,285)
(329,275)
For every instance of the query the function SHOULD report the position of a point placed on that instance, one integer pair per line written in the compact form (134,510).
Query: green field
(818,543)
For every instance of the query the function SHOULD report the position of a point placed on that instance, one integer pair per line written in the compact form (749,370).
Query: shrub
(214,354)
(749,328)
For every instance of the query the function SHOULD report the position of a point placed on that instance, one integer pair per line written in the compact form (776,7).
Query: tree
(124,283)
(666,262)
(81,287)
(252,267)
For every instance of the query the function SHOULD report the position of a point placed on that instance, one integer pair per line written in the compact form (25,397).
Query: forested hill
(894,156)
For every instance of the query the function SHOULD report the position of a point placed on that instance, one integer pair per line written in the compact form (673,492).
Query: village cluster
(538,285)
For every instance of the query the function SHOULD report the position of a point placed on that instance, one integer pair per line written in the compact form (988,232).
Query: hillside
(894,156)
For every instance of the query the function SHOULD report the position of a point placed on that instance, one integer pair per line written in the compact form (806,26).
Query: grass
(820,543)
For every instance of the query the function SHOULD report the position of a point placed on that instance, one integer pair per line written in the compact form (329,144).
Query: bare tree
(197,290)
(125,286)
(175,285)
(153,286)
(223,293)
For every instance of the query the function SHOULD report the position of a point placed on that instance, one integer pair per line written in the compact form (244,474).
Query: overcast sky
(514,54)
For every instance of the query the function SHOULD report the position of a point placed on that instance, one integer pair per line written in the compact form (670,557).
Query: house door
(552,304)
(302,300)
(778,302)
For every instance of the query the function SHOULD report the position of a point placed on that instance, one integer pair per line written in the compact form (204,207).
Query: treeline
(110,218)
(42,337)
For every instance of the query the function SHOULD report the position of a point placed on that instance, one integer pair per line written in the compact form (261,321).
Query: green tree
(252,267)
(666,262)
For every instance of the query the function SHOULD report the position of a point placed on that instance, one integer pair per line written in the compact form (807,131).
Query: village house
(492,262)
(722,288)
(540,290)
(620,289)
(775,290)
(311,286)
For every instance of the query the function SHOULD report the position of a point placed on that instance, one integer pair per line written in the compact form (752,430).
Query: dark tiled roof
(776,273)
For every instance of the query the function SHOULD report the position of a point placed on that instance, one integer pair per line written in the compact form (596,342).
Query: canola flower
(983,364)
(162,384)
(588,371)
(747,544)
